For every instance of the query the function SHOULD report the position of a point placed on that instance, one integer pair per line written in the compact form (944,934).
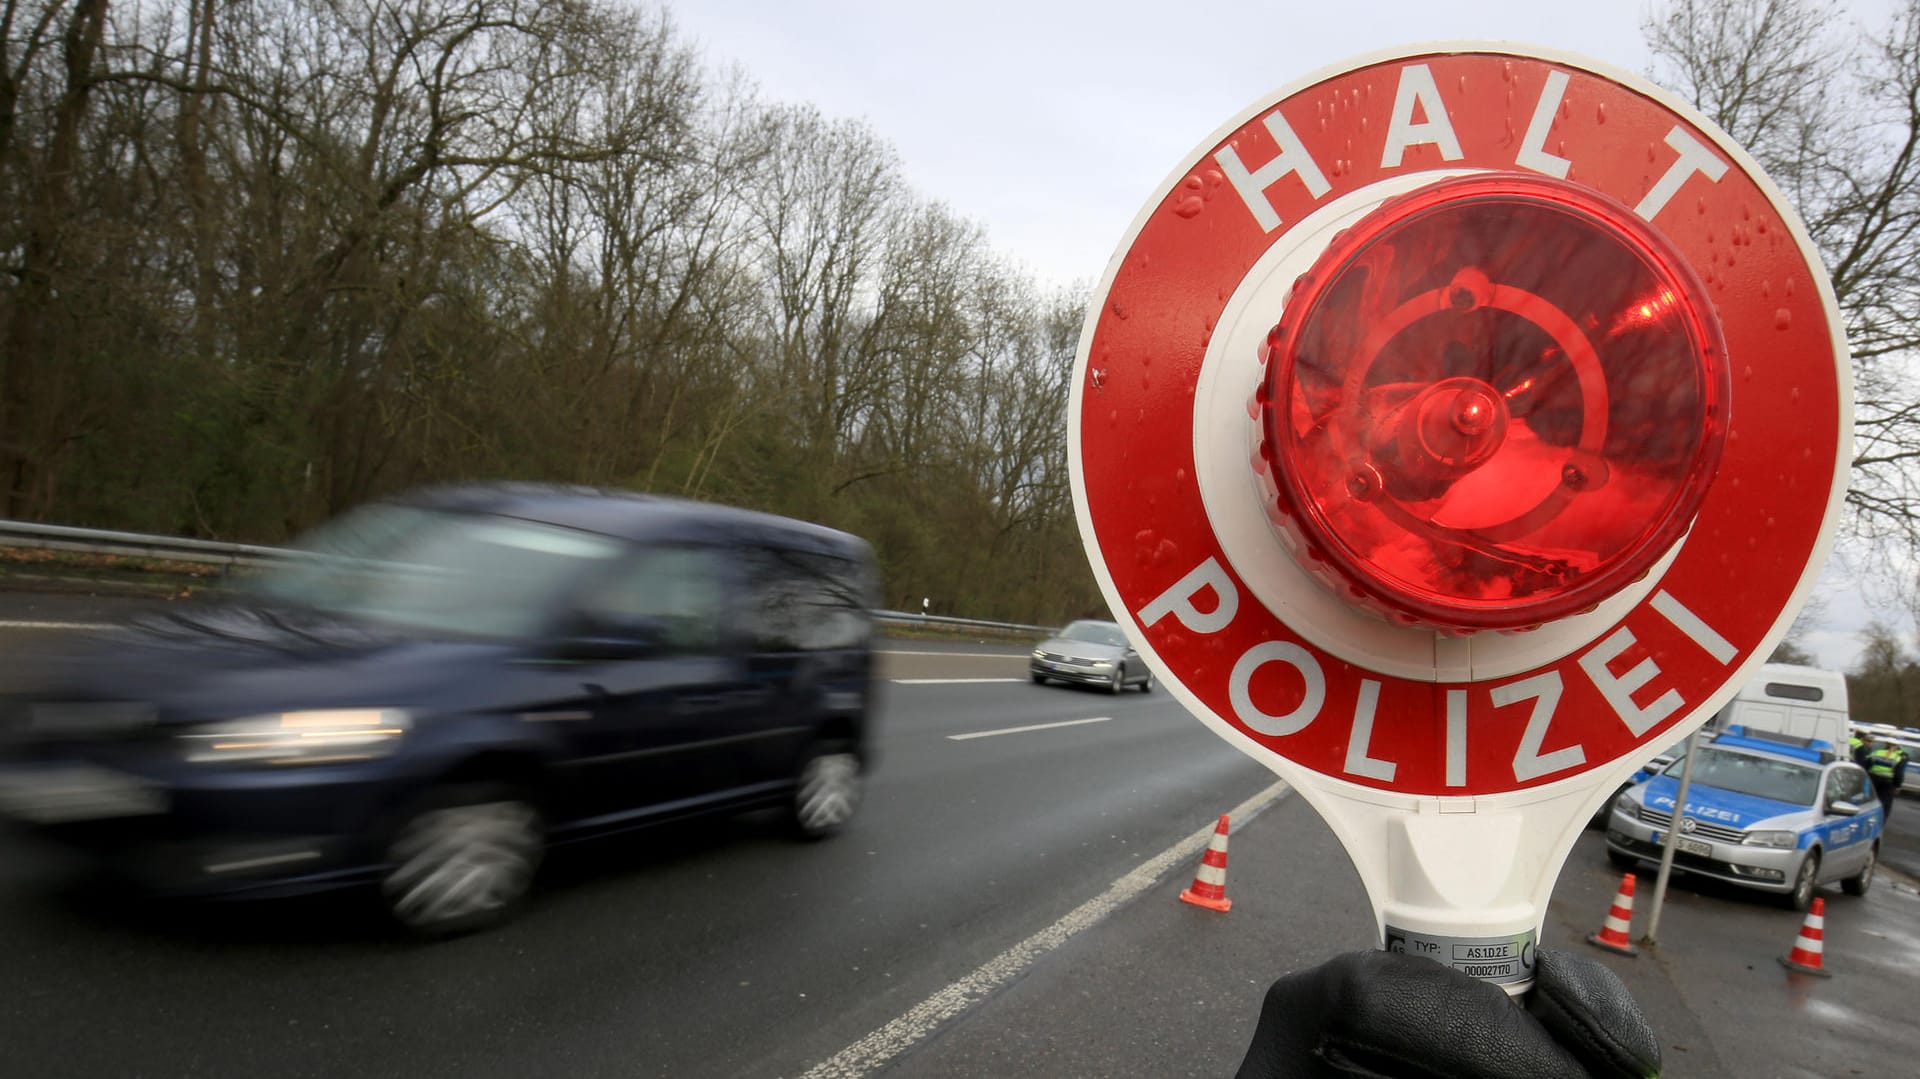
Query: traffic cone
(1809,948)
(1613,932)
(1210,883)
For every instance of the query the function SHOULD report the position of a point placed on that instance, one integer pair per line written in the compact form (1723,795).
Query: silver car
(1091,653)
(1760,813)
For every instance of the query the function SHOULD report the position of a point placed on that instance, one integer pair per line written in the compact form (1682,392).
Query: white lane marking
(950,681)
(962,655)
(1023,730)
(879,1048)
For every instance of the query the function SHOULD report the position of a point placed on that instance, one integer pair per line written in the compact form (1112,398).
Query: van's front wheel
(826,792)
(462,860)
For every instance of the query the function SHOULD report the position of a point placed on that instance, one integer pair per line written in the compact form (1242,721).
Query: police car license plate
(1694,846)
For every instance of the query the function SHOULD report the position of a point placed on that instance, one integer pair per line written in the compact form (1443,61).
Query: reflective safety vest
(1882,762)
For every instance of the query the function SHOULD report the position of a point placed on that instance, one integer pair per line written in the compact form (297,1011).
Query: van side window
(804,601)
(1790,691)
(680,588)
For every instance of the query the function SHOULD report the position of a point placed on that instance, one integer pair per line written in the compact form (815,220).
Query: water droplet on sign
(1600,113)
(1782,319)
(1118,310)
(1188,207)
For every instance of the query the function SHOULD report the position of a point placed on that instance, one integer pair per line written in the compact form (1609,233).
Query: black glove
(1383,1015)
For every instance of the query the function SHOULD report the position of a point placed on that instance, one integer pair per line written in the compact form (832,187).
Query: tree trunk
(23,450)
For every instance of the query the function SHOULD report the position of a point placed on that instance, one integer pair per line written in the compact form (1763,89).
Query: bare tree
(1831,110)
(262,259)
(43,198)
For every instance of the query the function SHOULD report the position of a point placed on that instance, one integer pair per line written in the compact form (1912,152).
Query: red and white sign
(1259,640)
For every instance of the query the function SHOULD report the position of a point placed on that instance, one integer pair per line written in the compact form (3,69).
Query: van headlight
(1786,840)
(315,737)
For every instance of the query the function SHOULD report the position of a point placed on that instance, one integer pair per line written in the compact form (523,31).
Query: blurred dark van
(436,687)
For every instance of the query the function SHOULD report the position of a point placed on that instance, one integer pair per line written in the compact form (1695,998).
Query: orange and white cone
(1613,932)
(1810,947)
(1210,883)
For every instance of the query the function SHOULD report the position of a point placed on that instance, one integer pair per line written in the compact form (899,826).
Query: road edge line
(881,1047)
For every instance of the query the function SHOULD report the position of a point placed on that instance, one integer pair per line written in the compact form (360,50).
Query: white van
(1805,702)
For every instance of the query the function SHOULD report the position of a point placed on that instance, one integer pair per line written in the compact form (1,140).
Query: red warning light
(1494,402)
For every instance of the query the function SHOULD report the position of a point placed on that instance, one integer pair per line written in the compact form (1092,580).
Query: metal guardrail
(908,618)
(32,535)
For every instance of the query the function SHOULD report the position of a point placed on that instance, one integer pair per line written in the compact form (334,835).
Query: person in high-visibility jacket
(1858,747)
(1887,766)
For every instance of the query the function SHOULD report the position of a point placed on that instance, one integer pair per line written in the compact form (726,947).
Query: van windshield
(468,575)
(1760,777)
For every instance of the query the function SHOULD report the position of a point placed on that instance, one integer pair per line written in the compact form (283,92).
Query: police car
(1768,811)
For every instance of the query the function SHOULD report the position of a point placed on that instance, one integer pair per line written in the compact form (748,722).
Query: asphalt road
(1006,905)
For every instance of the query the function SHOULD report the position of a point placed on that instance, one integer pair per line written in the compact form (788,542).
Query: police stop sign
(1457,426)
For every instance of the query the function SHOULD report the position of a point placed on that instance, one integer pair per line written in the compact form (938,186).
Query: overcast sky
(1051,123)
